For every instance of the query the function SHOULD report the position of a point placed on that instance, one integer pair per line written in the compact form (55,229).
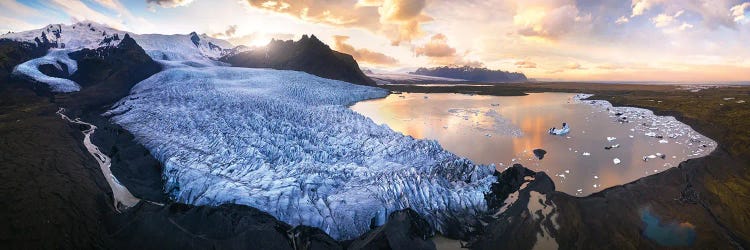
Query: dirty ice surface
(605,147)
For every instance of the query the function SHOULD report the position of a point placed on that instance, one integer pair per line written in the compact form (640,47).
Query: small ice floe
(488,135)
(586,154)
(611,138)
(663,141)
(561,131)
(596,186)
(567,171)
(596,177)
(728,98)
(631,136)
(659,155)
(611,147)
(561,175)
(650,134)
(740,101)
(616,161)
(580,190)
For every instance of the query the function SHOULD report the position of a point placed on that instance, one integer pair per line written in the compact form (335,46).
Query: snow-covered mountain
(190,48)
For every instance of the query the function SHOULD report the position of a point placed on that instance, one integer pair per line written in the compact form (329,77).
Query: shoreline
(719,177)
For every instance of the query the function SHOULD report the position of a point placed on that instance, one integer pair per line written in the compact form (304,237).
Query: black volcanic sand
(710,192)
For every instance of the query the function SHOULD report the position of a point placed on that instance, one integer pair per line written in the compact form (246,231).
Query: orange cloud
(362,55)
(168,3)
(548,19)
(229,32)
(399,20)
(574,66)
(526,64)
(436,47)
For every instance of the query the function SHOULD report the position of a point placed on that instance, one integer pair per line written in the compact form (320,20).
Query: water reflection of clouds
(480,128)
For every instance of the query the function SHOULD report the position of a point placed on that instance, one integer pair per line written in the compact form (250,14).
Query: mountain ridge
(469,73)
(308,54)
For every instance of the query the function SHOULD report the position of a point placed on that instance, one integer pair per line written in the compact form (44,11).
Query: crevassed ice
(285,142)
(57,58)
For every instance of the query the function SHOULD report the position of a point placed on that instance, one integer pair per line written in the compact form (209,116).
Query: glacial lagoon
(606,145)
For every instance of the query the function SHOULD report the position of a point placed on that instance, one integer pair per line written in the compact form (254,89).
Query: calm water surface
(504,130)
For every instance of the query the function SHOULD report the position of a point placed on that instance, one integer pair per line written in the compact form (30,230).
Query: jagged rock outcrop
(405,229)
(308,54)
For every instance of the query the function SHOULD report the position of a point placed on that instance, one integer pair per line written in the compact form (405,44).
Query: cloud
(608,66)
(713,14)
(622,20)
(640,6)
(685,26)
(362,55)
(229,32)
(526,64)
(670,23)
(548,19)
(258,39)
(663,20)
(399,20)
(574,66)
(738,11)
(168,3)
(78,10)
(436,47)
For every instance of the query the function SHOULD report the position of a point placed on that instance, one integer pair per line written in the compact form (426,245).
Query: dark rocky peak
(55,29)
(43,41)
(311,41)
(195,38)
(213,46)
(44,37)
(128,43)
(307,54)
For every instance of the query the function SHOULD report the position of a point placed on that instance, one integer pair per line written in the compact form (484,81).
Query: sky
(589,40)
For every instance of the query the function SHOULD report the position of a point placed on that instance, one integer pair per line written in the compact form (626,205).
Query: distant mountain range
(307,54)
(472,74)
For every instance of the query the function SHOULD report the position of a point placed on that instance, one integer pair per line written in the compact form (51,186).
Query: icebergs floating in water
(561,131)
(663,128)
(616,161)
(286,143)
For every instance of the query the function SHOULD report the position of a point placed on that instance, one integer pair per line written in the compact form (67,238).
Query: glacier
(287,143)
(57,58)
